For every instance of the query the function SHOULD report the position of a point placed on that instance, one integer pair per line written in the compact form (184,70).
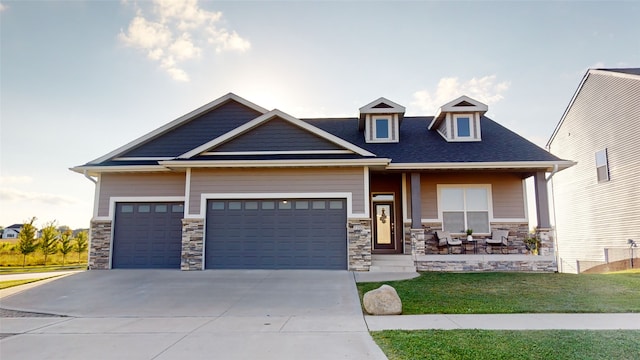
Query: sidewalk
(47,276)
(617,321)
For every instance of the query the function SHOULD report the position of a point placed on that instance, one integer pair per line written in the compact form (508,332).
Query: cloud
(19,179)
(3,7)
(485,89)
(8,195)
(177,32)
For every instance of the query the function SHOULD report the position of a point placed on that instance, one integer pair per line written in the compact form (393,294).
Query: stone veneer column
(359,235)
(546,241)
(99,245)
(417,242)
(192,244)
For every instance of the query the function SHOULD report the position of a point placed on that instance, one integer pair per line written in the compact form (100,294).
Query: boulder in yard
(382,301)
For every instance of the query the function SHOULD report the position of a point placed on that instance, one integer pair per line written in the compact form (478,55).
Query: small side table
(475,244)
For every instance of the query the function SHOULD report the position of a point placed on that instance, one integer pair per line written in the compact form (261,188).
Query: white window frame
(605,165)
(486,187)
(374,125)
(472,127)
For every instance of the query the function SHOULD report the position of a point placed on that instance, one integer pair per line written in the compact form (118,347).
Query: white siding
(591,216)
(278,181)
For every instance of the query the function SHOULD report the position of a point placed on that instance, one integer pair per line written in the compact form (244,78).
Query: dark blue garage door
(147,235)
(276,234)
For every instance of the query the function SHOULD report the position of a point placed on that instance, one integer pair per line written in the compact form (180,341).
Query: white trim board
(117,199)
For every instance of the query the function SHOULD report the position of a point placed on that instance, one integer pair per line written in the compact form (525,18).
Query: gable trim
(289,152)
(274,163)
(179,121)
(265,118)
(371,108)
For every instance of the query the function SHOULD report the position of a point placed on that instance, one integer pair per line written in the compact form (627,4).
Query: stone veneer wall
(359,236)
(546,241)
(464,263)
(192,244)
(99,245)
(417,242)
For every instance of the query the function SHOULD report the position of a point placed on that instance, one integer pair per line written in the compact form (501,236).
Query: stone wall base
(99,245)
(359,235)
(476,263)
(192,244)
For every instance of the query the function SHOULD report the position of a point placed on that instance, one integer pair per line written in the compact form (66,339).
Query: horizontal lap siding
(277,181)
(591,216)
(507,190)
(138,185)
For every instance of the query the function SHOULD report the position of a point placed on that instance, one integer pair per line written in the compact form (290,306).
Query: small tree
(27,243)
(65,244)
(49,240)
(81,243)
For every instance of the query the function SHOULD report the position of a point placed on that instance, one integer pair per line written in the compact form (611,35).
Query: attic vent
(464,103)
(382,106)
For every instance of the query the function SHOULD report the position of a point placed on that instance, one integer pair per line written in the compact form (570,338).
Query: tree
(27,236)
(49,240)
(65,244)
(81,243)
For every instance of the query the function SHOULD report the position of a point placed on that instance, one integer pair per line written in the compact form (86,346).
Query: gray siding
(137,185)
(196,132)
(278,135)
(277,181)
(507,191)
(591,216)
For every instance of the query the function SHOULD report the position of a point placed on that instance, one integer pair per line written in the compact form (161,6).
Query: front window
(465,207)
(602,165)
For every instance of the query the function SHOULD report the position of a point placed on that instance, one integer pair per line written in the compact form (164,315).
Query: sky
(79,79)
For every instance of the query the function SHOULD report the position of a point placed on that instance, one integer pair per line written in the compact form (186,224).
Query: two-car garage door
(240,234)
(276,234)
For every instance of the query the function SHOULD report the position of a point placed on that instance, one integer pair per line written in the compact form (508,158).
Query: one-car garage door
(276,234)
(147,235)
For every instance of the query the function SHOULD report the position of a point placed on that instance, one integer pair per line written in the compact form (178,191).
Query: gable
(195,132)
(276,135)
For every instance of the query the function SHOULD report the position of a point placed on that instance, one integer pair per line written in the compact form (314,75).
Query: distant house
(234,185)
(597,201)
(11,232)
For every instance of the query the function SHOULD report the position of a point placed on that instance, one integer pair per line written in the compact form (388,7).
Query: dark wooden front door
(384,227)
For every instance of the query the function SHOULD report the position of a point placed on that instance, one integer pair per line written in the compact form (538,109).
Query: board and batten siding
(507,190)
(307,180)
(138,185)
(591,216)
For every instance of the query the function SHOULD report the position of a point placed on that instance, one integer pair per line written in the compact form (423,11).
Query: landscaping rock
(382,301)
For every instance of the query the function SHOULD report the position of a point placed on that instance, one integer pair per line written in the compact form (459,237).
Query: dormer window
(380,121)
(463,126)
(459,120)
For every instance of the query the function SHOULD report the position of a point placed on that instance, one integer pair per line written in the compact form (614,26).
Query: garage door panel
(147,235)
(296,234)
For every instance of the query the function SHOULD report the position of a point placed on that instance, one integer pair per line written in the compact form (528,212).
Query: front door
(384,228)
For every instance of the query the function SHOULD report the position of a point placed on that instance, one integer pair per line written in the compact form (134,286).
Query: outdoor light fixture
(632,244)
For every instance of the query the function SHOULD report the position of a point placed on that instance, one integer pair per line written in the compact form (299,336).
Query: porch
(485,262)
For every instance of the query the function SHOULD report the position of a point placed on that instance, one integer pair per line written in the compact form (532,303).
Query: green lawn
(497,293)
(38,269)
(12,283)
(495,345)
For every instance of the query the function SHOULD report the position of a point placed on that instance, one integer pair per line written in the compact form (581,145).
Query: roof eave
(506,165)
(273,163)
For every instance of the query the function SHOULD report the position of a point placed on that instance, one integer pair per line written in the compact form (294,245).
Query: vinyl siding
(134,185)
(278,135)
(507,190)
(277,181)
(591,216)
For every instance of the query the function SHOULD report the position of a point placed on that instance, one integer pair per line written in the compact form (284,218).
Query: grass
(495,345)
(498,293)
(39,269)
(13,259)
(12,283)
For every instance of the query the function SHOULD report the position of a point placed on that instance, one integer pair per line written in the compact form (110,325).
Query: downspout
(89,177)
(555,235)
(555,170)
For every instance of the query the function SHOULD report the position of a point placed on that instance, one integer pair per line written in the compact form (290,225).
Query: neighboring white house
(597,201)
(12,231)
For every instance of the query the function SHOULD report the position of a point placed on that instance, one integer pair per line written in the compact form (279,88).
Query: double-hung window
(465,207)
(602,165)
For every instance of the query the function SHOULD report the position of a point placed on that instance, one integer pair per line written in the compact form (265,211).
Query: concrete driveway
(166,314)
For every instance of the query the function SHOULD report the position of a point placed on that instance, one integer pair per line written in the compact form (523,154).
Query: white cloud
(16,179)
(9,195)
(3,7)
(178,31)
(485,89)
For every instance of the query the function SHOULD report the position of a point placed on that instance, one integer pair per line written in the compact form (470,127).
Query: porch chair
(445,239)
(498,237)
